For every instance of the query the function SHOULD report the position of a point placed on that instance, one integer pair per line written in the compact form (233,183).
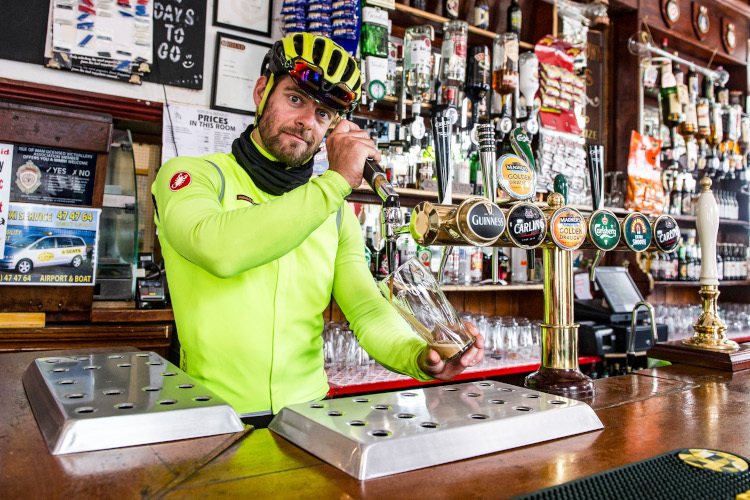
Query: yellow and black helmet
(319,66)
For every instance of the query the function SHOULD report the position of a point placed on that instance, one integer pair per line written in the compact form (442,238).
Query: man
(254,247)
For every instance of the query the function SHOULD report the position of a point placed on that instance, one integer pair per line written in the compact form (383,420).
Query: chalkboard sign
(23,28)
(179,39)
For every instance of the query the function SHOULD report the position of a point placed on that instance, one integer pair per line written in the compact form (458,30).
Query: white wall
(148,91)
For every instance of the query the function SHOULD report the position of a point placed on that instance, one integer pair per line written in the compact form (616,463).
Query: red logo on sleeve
(179,181)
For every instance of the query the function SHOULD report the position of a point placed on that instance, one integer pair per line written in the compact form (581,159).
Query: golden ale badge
(28,177)
(516,177)
(568,228)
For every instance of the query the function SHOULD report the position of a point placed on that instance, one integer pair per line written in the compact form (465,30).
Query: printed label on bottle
(568,228)
(666,233)
(374,15)
(511,49)
(637,232)
(516,177)
(420,51)
(482,60)
(703,120)
(526,225)
(604,231)
(481,16)
(451,6)
(515,20)
(459,45)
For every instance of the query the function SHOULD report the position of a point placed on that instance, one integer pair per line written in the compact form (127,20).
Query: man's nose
(306,116)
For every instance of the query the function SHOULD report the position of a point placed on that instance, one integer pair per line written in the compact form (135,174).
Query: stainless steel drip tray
(381,434)
(102,401)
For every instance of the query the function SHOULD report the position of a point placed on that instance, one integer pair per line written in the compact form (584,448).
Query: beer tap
(441,131)
(390,216)
(528,84)
(598,222)
(486,138)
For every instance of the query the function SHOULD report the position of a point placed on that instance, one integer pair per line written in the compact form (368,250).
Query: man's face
(292,124)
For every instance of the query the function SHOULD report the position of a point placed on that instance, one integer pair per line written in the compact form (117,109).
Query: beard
(292,153)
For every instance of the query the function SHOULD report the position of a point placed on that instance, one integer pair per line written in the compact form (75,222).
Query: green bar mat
(688,473)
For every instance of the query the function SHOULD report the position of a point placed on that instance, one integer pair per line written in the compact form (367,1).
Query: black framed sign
(251,16)
(236,69)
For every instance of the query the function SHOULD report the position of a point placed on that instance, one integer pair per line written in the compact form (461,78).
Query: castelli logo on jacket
(180,180)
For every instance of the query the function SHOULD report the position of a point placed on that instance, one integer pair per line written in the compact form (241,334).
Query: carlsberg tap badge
(604,230)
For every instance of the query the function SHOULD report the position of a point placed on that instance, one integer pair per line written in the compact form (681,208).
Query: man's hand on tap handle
(348,147)
(430,362)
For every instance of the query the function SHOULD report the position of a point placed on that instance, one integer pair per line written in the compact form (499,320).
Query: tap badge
(486,221)
(28,177)
(526,225)
(568,228)
(637,231)
(604,231)
(180,180)
(666,233)
(516,177)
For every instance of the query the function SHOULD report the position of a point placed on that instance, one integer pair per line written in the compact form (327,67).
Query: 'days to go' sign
(179,38)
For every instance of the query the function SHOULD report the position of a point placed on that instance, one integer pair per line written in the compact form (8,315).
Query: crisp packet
(645,192)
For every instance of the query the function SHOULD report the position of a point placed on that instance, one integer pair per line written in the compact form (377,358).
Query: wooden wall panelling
(683,37)
(154,337)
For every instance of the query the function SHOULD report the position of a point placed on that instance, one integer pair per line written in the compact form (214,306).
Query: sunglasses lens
(311,78)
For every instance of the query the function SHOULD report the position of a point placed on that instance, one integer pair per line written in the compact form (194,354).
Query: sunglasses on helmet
(310,78)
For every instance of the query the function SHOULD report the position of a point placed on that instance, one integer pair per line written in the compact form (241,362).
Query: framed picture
(251,16)
(236,69)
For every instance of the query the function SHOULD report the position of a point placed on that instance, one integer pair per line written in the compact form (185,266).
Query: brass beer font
(710,330)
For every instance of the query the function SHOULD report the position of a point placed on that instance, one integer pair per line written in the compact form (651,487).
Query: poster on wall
(46,245)
(252,16)
(6,160)
(179,40)
(47,175)
(237,68)
(190,131)
(107,39)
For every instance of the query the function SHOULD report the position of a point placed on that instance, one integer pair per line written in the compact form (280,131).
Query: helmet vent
(349,71)
(298,43)
(318,48)
(333,64)
(357,84)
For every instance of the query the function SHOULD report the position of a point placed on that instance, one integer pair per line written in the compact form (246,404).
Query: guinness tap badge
(516,177)
(666,233)
(28,177)
(479,221)
(568,228)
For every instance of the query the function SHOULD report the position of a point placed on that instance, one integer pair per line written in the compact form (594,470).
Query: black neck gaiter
(273,177)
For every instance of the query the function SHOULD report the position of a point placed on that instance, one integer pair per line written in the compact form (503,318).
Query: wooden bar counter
(644,414)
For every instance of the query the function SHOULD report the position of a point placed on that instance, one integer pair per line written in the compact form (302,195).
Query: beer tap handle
(561,186)
(487,157)
(707,224)
(390,217)
(594,158)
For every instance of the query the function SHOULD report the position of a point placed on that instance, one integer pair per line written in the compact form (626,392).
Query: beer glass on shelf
(416,295)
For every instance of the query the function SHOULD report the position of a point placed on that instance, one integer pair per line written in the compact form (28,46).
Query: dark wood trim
(119,107)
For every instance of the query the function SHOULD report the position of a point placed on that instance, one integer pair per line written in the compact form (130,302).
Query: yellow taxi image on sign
(38,250)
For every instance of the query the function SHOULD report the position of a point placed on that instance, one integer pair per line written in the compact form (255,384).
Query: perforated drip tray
(381,434)
(102,401)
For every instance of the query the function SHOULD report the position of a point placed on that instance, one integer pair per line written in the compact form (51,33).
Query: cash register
(605,322)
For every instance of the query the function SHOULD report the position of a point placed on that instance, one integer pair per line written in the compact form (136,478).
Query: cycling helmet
(319,66)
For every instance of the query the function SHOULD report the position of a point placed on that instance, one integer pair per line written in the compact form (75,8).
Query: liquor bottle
(453,61)
(476,176)
(482,14)
(681,262)
(675,199)
(368,249)
(719,263)
(505,69)
(670,99)
(374,252)
(418,64)
(747,262)
(374,32)
(698,262)
(450,9)
(689,125)
(689,260)
(514,18)
(475,268)
(419,4)
(478,77)
(687,197)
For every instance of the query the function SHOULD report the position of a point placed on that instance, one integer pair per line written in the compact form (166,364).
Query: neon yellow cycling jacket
(250,275)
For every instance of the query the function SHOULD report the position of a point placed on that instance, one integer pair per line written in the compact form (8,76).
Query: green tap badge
(604,231)
(637,232)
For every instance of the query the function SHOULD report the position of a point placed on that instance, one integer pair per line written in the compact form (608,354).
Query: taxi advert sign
(50,245)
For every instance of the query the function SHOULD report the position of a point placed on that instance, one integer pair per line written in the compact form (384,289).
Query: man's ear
(260,89)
